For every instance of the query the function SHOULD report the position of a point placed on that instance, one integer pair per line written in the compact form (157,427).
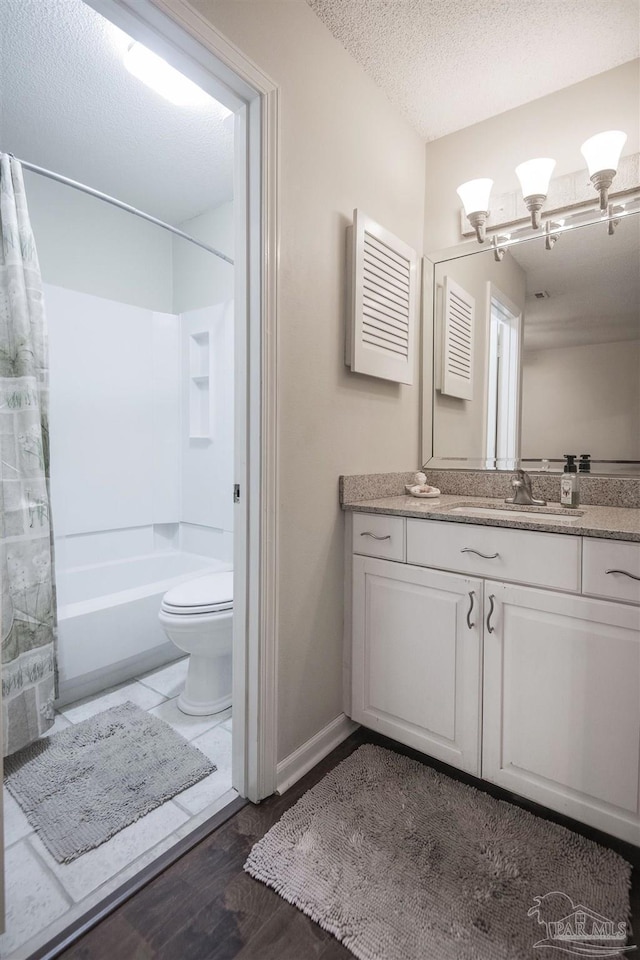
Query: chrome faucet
(523,494)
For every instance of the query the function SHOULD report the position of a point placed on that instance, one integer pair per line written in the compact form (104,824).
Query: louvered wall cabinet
(382,274)
(457,341)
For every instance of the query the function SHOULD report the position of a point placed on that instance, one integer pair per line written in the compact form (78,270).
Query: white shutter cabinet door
(381,328)
(562,704)
(416,658)
(457,341)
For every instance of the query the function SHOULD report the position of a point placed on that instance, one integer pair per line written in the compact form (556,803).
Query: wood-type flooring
(205,907)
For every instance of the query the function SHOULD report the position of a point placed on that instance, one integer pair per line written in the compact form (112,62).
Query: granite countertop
(611,523)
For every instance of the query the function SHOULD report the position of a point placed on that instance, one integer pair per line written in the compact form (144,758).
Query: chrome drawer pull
(625,573)
(469,624)
(373,536)
(485,556)
(490,629)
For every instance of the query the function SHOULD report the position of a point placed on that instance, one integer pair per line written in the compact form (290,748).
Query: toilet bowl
(197,616)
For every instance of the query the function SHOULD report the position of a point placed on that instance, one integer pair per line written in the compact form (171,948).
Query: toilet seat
(212,593)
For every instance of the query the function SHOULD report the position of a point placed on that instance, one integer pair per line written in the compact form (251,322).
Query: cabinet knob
(373,536)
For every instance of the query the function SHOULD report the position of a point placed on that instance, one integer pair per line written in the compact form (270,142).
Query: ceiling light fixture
(602,154)
(160,76)
(475,197)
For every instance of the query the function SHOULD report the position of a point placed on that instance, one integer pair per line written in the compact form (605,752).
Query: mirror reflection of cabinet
(577,350)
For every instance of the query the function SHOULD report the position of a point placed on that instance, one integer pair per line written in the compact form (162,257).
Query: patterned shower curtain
(27,594)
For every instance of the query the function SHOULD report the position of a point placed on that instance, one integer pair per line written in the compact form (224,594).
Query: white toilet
(198,616)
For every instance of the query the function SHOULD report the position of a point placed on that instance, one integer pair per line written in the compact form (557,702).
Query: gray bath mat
(400,862)
(81,786)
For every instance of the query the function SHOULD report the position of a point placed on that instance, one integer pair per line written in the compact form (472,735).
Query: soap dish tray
(415,490)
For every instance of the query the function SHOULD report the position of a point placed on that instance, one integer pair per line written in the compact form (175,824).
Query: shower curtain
(27,594)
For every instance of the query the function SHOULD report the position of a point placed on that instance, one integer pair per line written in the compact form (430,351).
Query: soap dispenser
(569,490)
(585,463)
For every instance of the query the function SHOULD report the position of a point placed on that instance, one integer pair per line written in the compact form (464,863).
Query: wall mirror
(536,354)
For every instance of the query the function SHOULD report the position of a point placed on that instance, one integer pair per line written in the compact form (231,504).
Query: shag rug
(81,786)
(400,862)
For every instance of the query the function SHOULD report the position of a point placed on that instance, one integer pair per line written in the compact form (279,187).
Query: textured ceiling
(447,64)
(69,104)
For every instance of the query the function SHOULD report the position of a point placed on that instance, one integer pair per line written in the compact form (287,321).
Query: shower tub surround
(116,604)
(140,497)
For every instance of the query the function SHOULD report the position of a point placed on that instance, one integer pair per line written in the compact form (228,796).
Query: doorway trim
(194,45)
(502,355)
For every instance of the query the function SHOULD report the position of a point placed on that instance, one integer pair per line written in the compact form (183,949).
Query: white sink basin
(504,512)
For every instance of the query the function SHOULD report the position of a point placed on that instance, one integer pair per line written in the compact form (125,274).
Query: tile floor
(44,896)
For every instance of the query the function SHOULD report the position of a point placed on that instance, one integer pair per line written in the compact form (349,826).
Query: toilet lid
(203,595)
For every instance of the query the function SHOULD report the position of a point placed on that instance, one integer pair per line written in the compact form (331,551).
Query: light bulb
(475,198)
(534,177)
(602,154)
(475,195)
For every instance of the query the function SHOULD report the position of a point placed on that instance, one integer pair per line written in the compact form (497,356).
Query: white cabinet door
(417,656)
(561,720)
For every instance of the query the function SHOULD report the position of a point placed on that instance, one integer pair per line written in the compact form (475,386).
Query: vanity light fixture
(475,198)
(552,232)
(534,177)
(615,212)
(498,242)
(602,154)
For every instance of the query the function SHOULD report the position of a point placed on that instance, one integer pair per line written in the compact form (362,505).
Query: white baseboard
(313,751)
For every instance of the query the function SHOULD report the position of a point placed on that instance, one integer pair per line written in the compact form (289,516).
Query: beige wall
(553,126)
(342,146)
(461,425)
(583,399)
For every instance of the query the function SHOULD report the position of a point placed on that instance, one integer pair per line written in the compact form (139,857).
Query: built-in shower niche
(200,415)
(166,536)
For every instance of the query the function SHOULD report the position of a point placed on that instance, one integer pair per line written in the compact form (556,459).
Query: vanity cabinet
(479,646)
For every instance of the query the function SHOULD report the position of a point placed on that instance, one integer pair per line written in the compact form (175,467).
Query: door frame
(182,36)
(514,366)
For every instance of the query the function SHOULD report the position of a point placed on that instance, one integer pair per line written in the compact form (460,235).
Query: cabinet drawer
(376,535)
(539,559)
(609,568)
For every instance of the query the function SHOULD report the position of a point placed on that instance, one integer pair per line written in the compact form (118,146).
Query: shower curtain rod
(121,205)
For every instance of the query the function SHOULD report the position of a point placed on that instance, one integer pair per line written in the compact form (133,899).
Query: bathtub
(108,629)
